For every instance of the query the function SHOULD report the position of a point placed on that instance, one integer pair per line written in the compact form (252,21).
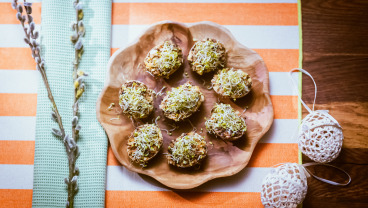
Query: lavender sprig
(79,87)
(31,38)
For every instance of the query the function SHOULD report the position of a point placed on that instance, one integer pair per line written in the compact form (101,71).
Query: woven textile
(50,164)
(284,186)
(320,137)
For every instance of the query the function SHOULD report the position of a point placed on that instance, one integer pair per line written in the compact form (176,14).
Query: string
(323,179)
(296,87)
(306,171)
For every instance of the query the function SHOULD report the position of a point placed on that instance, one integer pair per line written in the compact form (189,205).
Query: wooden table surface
(335,52)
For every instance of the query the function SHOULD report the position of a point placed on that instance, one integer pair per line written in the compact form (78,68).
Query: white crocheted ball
(284,186)
(320,137)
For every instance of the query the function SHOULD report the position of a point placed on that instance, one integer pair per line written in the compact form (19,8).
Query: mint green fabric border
(300,110)
(50,165)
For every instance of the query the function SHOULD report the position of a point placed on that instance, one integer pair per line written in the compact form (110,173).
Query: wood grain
(339,78)
(335,52)
(324,195)
(335,26)
(356,156)
(224,158)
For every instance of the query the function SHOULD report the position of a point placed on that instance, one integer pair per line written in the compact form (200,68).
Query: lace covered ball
(284,186)
(320,137)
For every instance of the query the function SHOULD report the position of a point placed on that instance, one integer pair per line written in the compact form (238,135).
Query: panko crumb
(188,150)
(163,60)
(226,123)
(136,99)
(232,83)
(144,143)
(181,102)
(206,56)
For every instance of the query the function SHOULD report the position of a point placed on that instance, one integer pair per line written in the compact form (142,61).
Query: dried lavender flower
(79,93)
(76,187)
(56,132)
(82,86)
(19,16)
(78,127)
(81,29)
(28,7)
(78,29)
(74,38)
(79,6)
(30,18)
(35,35)
(31,36)
(81,73)
(19,8)
(74,179)
(75,121)
(66,138)
(14,5)
(72,150)
(26,40)
(27,4)
(53,116)
(78,81)
(34,43)
(73,25)
(76,171)
(80,14)
(32,26)
(71,143)
(75,2)
(80,23)
(79,44)
(37,51)
(76,106)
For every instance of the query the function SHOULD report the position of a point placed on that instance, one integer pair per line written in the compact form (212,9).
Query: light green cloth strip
(300,113)
(50,165)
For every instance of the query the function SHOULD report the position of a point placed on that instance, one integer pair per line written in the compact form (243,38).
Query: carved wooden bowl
(224,158)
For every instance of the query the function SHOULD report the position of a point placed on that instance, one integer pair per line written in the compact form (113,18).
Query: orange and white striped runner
(270,27)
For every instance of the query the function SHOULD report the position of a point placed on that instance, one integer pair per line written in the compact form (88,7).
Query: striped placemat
(270,27)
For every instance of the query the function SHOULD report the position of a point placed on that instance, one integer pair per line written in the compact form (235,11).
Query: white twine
(296,87)
(323,179)
(307,173)
(295,133)
(334,123)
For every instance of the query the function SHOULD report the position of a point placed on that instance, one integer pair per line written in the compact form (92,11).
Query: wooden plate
(224,158)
